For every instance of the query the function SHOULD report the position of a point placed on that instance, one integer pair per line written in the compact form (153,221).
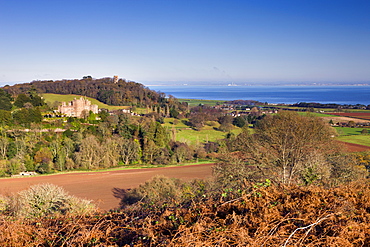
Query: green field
(316,114)
(180,124)
(207,134)
(186,134)
(356,139)
(51,98)
(347,131)
(353,135)
(195,102)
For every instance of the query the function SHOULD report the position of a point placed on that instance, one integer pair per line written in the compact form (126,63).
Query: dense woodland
(284,179)
(105,90)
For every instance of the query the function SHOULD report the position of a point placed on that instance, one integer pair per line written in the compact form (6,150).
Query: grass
(348,131)
(316,114)
(352,135)
(50,97)
(169,123)
(195,102)
(356,139)
(208,133)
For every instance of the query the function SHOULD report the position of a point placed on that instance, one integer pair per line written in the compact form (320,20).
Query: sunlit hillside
(51,98)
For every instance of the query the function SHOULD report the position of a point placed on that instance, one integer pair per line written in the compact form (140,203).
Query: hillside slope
(105,90)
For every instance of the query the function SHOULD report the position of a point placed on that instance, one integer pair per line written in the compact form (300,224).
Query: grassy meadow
(316,114)
(208,133)
(195,102)
(353,135)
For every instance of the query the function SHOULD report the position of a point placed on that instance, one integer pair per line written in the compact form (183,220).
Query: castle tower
(115,79)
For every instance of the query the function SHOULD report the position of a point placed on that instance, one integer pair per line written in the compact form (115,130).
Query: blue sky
(186,41)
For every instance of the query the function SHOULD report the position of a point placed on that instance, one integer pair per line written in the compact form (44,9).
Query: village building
(77,107)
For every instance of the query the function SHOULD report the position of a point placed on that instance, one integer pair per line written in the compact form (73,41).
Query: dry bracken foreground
(264,216)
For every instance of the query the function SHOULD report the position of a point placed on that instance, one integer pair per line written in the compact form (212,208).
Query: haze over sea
(272,94)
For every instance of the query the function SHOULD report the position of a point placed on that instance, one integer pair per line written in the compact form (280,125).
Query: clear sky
(153,41)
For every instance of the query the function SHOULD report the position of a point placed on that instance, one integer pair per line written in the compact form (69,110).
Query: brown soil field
(359,115)
(344,119)
(351,114)
(97,186)
(351,147)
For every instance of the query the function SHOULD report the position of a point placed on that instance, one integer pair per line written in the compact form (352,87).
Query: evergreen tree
(21,100)
(5,100)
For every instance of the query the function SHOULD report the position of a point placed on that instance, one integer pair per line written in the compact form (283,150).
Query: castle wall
(76,107)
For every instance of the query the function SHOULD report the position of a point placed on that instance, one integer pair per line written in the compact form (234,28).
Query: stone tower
(115,79)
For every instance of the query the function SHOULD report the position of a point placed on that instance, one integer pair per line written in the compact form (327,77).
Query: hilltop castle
(76,107)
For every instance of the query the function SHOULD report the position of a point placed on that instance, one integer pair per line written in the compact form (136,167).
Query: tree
(36,100)
(26,116)
(225,123)
(173,112)
(255,111)
(150,151)
(21,100)
(129,150)
(181,152)
(158,134)
(197,120)
(59,154)
(351,124)
(239,121)
(5,117)
(4,142)
(44,158)
(286,143)
(89,155)
(5,100)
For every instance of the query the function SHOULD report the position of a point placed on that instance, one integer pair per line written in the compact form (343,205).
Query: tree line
(119,93)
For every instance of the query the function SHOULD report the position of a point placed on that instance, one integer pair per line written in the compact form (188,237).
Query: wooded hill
(122,92)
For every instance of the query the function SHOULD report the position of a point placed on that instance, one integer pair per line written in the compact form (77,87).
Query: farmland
(359,115)
(208,133)
(97,186)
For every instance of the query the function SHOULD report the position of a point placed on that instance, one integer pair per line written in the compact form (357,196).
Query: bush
(159,191)
(46,199)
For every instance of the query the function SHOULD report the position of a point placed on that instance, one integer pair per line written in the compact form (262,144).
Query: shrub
(159,191)
(162,192)
(46,199)
(3,203)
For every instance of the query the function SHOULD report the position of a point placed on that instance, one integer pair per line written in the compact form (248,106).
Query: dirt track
(97,186)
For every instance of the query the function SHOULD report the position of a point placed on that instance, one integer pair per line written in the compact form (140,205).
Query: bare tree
(89,156)
(3,146)
(128,150)
(285,143)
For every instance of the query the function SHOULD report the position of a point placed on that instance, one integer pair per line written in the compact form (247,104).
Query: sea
(344,95)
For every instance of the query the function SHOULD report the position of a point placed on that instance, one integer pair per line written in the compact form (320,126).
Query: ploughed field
(97,186)
(352,147)
(359,115)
